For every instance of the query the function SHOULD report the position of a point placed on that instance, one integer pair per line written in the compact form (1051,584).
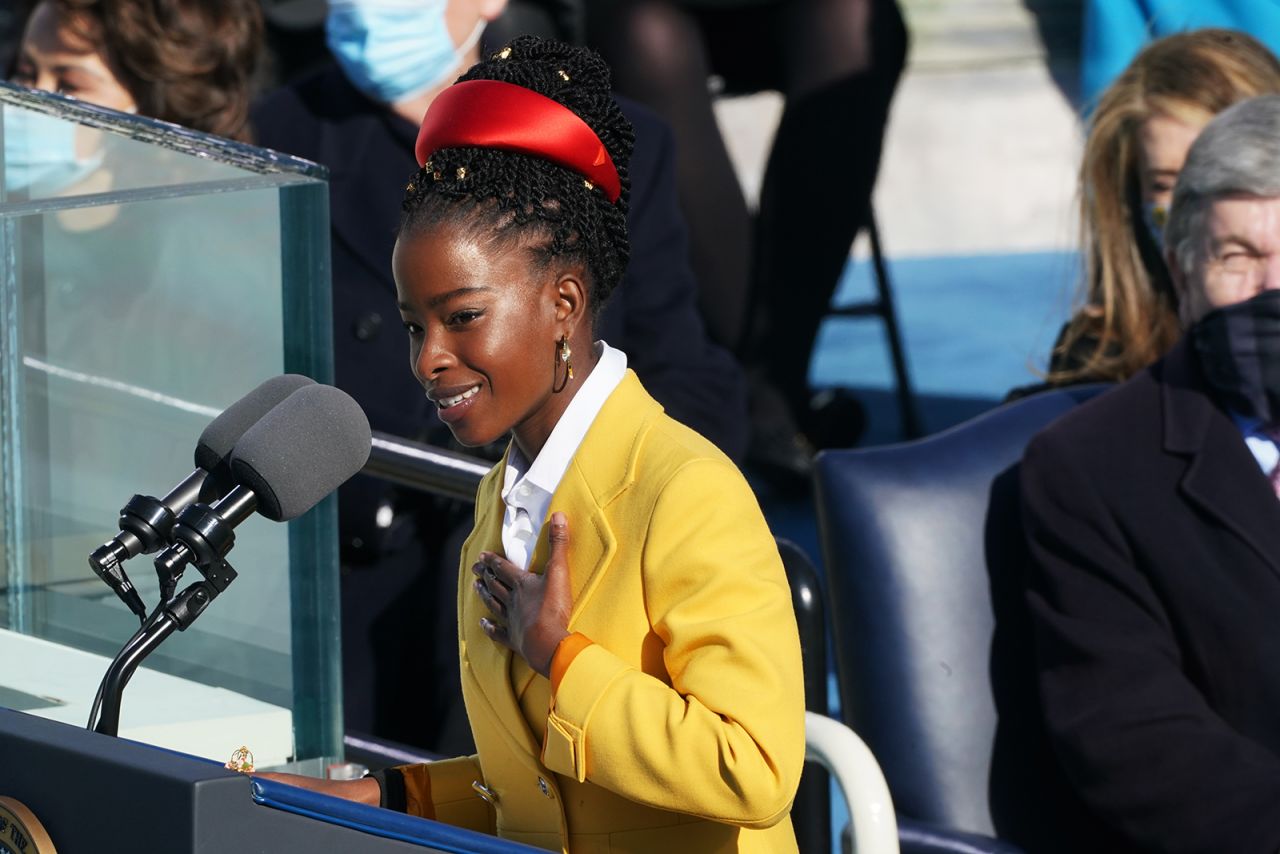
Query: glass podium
(149,277)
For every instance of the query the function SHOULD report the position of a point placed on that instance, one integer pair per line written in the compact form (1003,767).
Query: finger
(485,573)
(501,569)
(558,539)
(495,588)
(490,601)
(496,631)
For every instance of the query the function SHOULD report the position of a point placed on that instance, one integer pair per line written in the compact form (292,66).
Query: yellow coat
(681,729)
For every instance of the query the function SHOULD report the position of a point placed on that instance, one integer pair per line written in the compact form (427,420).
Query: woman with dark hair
(190,62)
(634,685)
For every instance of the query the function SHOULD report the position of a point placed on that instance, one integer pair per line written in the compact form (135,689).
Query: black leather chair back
(923,550)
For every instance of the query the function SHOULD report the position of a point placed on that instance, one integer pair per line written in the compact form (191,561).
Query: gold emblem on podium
(20,831)
(241,760)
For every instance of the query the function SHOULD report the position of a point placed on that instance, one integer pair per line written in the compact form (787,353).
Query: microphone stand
(175,615)
(145,525)
(204,535)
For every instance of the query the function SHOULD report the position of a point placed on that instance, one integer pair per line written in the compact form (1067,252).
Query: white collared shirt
(527,488)
(1262,446)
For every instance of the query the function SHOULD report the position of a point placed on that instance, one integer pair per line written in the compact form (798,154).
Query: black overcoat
(1155,593)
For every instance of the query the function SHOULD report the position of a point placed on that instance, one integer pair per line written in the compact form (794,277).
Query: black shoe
(785,462)
(778,450)
(835,419)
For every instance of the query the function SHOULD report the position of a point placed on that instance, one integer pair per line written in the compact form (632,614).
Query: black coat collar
(369,164)
(1222,478)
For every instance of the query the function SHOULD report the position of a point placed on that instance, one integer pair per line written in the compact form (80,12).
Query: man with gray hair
(1154,527)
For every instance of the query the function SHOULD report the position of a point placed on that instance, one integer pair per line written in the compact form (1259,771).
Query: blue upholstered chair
(924,555)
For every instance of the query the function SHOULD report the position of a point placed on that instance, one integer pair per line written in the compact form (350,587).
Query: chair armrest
(838,749)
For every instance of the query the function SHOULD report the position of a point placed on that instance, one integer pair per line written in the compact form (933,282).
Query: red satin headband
(493,114)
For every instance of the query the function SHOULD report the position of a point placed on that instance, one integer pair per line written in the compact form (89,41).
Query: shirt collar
(1261,445)
(547,469)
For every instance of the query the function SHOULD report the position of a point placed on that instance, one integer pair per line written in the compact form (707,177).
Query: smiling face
(56,58)
(484,319)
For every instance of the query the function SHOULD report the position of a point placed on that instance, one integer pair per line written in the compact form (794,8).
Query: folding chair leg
(908,412)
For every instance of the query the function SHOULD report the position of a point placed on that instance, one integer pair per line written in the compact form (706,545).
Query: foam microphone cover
(302,450)
(223,432)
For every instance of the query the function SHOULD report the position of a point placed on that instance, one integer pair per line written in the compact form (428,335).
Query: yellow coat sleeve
(442,791)
(724,740)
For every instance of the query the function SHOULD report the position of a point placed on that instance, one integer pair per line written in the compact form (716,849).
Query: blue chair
(924,554)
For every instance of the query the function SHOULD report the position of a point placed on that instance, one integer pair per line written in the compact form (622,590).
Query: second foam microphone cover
(302,450)
(213,450)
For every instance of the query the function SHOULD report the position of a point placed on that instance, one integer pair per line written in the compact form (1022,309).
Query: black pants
(767,284)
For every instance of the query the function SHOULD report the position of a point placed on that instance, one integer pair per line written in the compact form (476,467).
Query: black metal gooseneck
(202,535)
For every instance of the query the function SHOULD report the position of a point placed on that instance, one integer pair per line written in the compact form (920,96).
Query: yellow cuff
(564,748)
(564,655)
(444,791)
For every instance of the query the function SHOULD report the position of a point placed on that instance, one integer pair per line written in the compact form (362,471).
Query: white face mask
(394,50)
(40,155)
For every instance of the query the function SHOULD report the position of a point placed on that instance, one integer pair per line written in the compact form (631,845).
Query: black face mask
(1239,348)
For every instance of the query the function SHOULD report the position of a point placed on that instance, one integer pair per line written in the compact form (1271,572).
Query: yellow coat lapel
(601,470)
(486,664)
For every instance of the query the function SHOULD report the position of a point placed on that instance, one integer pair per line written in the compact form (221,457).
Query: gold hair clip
(409,188)
(241,760)
(504,53)
(564,76)
(427,165)
(462,173)
(588,185)
(435,176)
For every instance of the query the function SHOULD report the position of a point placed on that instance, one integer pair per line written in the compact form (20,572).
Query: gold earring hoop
(564,355)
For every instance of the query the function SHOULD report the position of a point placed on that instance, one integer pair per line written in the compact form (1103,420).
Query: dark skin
(477,314)
(484,319)
(530,611)
(488,317)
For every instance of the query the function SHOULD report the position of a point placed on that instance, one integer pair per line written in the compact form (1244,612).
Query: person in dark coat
(354,118)
(1154,524)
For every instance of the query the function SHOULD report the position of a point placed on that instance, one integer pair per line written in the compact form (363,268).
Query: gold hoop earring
(564,354)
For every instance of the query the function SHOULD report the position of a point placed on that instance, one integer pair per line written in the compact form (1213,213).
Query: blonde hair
(1129,318)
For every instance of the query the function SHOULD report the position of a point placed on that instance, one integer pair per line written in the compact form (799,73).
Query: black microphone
(295,455)
(146,522)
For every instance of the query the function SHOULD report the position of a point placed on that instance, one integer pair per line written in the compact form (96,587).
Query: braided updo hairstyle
(524,200)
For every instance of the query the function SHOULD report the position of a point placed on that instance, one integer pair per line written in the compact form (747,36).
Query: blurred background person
(12,17)
(359,115)
(766,282)
(98,272)
(190,62)
(1137,141)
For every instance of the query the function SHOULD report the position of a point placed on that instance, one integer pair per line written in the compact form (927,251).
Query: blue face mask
(1155,216)
(393,50)
(40,155)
